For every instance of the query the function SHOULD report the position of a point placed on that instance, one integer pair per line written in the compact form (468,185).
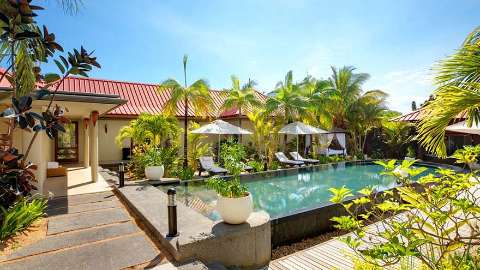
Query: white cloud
(404,86)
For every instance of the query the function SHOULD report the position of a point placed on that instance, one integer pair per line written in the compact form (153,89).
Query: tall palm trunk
(185,136)
(185,121)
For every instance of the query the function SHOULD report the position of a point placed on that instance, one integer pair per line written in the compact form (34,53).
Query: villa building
(98,109)
(453,140)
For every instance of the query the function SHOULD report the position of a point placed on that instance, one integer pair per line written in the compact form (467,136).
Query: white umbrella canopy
(220,127)
(463,128)
(299,128)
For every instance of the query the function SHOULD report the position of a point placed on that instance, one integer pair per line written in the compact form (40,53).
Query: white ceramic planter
(473,166)
(154,172)
(235,210)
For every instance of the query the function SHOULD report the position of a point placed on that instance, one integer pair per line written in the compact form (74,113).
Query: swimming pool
(286,193)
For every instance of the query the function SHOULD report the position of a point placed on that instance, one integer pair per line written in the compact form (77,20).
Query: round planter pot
(473,165)
(235,210)
(154,172)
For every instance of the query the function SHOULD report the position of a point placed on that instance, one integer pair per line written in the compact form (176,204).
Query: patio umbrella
(220,127)
(463,128)
(299,128)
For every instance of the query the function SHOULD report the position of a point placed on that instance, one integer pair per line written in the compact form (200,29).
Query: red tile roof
(141,97)
(416,116)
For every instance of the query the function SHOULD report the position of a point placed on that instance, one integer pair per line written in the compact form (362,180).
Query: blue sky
(396,42)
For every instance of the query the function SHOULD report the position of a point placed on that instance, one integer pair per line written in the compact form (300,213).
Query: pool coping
(247,245)
(297,170)
(315,220)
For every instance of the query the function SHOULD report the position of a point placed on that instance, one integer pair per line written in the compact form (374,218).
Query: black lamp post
(172,213)
(121,174)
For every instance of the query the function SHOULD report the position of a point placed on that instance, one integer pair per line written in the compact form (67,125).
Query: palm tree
(458,85)
(287,99)
(196,95)
(321,98)
(348,87)
(241,98)
(364,114)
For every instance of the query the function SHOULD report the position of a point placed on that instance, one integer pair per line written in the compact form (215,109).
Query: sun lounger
(285,161)
(298,157)
(247,168)
(208,165)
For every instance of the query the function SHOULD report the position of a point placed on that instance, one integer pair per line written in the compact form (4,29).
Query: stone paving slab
(85,220)
(115,254)
(82,207)
(57,242)
(193,265)
(79,199)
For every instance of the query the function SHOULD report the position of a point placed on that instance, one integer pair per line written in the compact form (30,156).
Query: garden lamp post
(172,213)
(121,174)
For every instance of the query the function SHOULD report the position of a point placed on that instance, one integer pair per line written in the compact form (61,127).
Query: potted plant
(153,162)
(234,203)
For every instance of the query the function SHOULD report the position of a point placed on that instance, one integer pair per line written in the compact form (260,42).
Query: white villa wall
(109,151)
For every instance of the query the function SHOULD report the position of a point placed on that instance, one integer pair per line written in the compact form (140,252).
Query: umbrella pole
(297,143)
(218,150)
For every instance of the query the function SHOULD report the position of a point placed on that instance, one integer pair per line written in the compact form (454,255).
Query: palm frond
(450,101)
(177,95)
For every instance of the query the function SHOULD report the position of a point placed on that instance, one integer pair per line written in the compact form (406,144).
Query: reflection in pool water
(285,195)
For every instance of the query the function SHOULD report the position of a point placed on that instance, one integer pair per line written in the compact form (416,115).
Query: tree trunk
(185,136)
(240,124)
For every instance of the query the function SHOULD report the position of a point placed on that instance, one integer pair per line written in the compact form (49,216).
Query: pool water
(285,195)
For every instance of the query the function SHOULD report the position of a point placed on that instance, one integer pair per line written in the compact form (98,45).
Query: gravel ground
(285,250)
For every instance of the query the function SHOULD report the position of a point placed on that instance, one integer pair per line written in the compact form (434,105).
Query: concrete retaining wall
(246,246)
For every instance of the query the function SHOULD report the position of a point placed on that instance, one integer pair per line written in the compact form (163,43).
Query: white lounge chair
(296,156)
(284,160)
(208,165)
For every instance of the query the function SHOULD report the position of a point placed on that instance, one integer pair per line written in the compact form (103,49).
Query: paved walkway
(89,231)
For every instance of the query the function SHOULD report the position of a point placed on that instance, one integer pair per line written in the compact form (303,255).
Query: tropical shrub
(265,136)
(257,166)
(149,129)
(185,173)
(20,215)
(196,147)
(227,188)
(153,156)
(434,220)
(232,155)
(467,155)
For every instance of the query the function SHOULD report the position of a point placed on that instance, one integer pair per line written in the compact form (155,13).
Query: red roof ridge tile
(110,80)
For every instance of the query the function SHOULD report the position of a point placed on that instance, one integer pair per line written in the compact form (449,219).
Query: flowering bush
(434,220)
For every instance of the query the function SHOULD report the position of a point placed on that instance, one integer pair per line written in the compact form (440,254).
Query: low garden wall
(246,246)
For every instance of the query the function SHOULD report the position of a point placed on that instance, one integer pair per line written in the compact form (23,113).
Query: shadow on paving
(90,231)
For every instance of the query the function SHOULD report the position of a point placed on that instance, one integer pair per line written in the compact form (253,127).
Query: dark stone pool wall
(313,222)
(295,227)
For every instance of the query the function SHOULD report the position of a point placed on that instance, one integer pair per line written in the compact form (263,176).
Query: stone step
(57,242)
(80,199)
(112,254)
(85,220)
(82,207)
